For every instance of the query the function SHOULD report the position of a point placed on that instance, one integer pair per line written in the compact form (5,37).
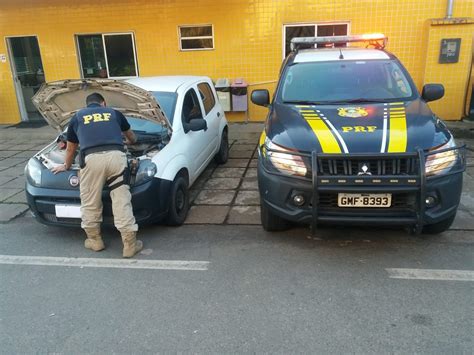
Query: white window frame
(197,37)
(315,24)
(132,35)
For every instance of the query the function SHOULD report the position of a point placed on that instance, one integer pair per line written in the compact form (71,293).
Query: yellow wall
(248,35)
(454,76)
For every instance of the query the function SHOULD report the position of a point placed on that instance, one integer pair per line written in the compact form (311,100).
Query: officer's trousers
(99,168)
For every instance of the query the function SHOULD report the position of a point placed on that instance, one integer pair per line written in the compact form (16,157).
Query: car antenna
(340,55)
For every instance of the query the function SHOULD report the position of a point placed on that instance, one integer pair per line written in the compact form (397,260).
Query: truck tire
(270,221)
(439,227)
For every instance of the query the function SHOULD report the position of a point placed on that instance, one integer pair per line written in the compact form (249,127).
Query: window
(191,107)
(194,38)
(312,30)
(107,55)
(207,97)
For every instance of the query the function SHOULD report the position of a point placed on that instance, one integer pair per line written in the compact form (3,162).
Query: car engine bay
(146,146)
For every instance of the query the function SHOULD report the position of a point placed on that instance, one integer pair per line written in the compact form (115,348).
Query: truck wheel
(270,221)
(179,202)
(439,227)
(223,153)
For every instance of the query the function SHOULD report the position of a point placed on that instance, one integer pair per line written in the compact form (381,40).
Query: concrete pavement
(225,194)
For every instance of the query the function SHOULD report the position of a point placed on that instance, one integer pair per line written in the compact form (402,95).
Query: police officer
(98,130)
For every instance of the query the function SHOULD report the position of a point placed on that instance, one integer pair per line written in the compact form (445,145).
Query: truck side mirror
(260,97)
(432,92)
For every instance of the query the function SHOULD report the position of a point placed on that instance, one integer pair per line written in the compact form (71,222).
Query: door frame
(16,84)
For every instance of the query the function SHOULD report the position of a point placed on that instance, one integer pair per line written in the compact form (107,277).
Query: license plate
(68,211)
(364,200)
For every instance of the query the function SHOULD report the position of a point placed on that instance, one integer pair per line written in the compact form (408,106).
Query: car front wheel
(179,202)
(270,221)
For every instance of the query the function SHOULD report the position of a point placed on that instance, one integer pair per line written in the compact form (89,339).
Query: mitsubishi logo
(364,169)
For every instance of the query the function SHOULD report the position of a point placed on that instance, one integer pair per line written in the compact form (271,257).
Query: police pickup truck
(349,140)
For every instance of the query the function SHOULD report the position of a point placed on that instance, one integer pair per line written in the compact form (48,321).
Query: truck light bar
(372,38)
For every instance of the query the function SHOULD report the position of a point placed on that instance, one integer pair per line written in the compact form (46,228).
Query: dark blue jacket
(96,126)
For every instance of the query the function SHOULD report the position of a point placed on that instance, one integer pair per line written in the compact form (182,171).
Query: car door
(197,142)
(212,115)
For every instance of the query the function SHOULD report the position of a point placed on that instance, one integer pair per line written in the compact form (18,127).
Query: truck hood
(58,101)
(360,128)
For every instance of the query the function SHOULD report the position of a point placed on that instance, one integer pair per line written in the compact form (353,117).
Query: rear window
(345,81)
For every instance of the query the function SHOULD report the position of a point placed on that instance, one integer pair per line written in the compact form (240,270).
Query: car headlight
(283,160)
(438,163)
(146,171)
(33,172)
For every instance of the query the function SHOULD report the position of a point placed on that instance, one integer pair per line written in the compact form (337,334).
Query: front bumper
(320,193)
(149,200)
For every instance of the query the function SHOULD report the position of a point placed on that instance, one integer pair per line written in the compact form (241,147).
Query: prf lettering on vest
(365,129)
(96,117)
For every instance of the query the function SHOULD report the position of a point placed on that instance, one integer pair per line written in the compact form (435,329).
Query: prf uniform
(98,131)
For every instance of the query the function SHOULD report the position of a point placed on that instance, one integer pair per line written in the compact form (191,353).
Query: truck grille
(353,166)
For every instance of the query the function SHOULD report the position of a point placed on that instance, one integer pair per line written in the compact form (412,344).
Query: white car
(180,126)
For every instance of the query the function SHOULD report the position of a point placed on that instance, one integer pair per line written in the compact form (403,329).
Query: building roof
(333,54)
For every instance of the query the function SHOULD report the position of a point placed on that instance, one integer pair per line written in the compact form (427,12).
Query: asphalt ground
(261,292)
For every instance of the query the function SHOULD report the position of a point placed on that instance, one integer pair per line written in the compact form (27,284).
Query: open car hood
(58,101)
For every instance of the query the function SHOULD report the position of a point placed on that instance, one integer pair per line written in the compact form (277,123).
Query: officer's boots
(131,245)
(94,240)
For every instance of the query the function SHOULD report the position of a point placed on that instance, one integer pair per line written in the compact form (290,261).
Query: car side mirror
(260,97)
(197,124)
(432,92)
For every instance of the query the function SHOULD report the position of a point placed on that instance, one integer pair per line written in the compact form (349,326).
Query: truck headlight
(283,160)
(33,172)
(146,171)
(438,163)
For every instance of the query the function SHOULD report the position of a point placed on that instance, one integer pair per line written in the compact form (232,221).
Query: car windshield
(346,81)
(167,101)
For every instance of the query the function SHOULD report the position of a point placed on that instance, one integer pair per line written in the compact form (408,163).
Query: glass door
(28,74)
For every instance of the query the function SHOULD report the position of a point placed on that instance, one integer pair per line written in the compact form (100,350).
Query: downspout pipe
(449,10)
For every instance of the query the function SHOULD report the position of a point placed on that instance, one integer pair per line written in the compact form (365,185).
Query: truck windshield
(344,81)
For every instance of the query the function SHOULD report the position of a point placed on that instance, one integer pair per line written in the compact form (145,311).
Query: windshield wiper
(361,100)
(305,102)
(146,133)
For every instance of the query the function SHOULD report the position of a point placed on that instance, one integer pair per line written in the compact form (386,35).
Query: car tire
(439,227)
(179,202)
(270,221)
(223,153)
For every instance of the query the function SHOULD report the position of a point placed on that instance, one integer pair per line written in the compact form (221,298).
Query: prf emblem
(96,117)
(352,112)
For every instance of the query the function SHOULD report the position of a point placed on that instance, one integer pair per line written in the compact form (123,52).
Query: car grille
(352,166)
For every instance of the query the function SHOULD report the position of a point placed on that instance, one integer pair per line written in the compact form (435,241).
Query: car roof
(166,83)
(333,54)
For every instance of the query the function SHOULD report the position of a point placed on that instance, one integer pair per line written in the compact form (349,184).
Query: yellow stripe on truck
(324,135)
(262,138)
(397,142)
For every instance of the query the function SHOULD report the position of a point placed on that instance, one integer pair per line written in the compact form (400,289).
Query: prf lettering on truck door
(96,117)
